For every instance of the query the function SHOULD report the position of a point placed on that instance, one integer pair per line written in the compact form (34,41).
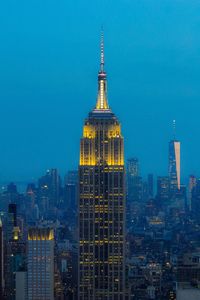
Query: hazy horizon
(49,61)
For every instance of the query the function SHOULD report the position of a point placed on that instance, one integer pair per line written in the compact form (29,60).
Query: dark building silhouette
(71,190)
(15,252)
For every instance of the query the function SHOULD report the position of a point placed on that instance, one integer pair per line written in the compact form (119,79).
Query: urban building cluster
(102,233)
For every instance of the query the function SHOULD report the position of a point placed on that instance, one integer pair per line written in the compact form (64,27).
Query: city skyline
(100,175)
(153,80)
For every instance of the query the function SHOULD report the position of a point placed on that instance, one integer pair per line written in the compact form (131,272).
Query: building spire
(102,51)
(102,103)
(174,128)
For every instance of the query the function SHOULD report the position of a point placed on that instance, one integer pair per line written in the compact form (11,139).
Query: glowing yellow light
(40,234)
(111,148)
(16,232)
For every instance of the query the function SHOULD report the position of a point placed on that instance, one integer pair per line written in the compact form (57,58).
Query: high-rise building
(195,200)
(21,285)
(150,185)
(71,177)
(163,188)
(1,261)
(71,190)
(14,252)
(174,164)
(40,263)
(133,167)
(192,185)
(11,220)
(49,189)
(70,194)
(101,201)
(134,181)
(12,194)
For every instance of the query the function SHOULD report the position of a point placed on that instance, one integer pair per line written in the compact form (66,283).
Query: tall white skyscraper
(174,163)
(40,264)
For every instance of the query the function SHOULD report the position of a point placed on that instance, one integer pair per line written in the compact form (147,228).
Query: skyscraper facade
(40,263)
(11,220)
(191,187)
(133,168)
(101,201)
(49,190)
(163,189)
(150,185)
(174,166)
(134,181)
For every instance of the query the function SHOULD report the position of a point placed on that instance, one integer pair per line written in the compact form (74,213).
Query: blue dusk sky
(49,59)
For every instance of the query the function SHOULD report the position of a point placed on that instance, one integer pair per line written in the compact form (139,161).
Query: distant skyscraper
(174,165)
(40,264)
(1,261)
(11,220)
(101,202)
(192,185)
(49,192)
(71,196)
(72,177)
(195,201)
(134,181)
(150,186)
(12,188)
(71,190)
(163,188)
(133,167)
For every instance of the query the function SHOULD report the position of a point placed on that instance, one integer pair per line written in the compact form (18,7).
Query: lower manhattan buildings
(101,202)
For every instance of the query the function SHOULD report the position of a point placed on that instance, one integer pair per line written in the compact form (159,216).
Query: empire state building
(101,201)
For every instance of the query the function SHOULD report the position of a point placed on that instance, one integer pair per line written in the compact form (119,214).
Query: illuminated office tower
(40,264)
(1,261)
(174,165)
(101,201)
